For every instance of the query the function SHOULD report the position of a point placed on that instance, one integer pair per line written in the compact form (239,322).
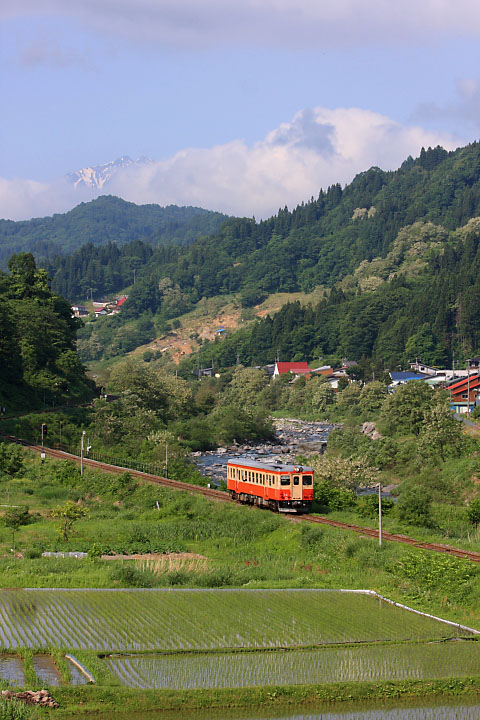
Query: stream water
(292,438)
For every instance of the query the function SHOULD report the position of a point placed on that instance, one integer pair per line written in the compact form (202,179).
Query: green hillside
(392,257)
(105,220)
(394,254)
(323,240)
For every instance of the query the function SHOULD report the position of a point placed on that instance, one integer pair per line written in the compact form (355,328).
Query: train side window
(256,477)
(284,480)
(307,479)
(296,480)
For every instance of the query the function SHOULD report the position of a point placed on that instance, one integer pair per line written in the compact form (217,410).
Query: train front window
(307,479)
(284,480)
(296,480)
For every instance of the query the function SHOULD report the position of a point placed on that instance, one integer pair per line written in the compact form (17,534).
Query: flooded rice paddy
(327,665)
(139,620)
(453,709)
(46,670)
(11,670)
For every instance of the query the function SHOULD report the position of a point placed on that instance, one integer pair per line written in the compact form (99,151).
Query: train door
(297,488)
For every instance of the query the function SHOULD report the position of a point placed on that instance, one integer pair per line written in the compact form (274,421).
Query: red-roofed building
(121,301)
(296,368)
(464,393)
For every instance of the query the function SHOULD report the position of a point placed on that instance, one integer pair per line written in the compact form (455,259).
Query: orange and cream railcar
(282,488)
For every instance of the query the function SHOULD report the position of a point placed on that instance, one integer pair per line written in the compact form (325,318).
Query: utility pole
(44,432)
(468,387)
(166,460)
(82,448)
(60,427)
(380,514)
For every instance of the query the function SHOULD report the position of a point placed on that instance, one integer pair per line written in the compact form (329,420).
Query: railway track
(224,497)
(371,532)
(167,482)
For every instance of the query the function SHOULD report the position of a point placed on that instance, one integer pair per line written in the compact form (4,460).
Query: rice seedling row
(201,620)
(327,665)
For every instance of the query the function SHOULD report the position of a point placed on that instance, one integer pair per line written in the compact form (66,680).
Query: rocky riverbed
(292,438)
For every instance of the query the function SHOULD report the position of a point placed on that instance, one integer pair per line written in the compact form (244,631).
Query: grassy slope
(202,323)
(243,547)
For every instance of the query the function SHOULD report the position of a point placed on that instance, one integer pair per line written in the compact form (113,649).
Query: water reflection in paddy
(466,709)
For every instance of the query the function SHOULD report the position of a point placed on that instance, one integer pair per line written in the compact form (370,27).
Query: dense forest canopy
(395,252)
(38,357)
(320,241)
(105,220)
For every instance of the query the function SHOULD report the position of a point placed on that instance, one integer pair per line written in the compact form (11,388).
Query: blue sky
(243,105)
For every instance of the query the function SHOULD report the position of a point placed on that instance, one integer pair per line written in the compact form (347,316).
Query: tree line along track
(224,497)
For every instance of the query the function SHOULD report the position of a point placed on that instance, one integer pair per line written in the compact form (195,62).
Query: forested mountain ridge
(321,241)
(395,252)
(317,243)
(105,220)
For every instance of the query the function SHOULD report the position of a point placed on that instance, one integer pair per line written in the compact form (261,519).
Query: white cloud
(317,148)
(465,111)
(280,23)
(23,199)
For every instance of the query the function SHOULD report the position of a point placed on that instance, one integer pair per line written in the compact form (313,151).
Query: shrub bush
(129,576)
(473,512)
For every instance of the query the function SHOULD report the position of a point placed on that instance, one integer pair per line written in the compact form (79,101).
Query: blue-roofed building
(401,377)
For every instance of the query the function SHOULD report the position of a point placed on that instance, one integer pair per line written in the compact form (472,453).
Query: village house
(296,368)
(79,311)
(400,377)
(464,393)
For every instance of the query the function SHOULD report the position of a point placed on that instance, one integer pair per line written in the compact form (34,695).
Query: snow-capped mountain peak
(98,176)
